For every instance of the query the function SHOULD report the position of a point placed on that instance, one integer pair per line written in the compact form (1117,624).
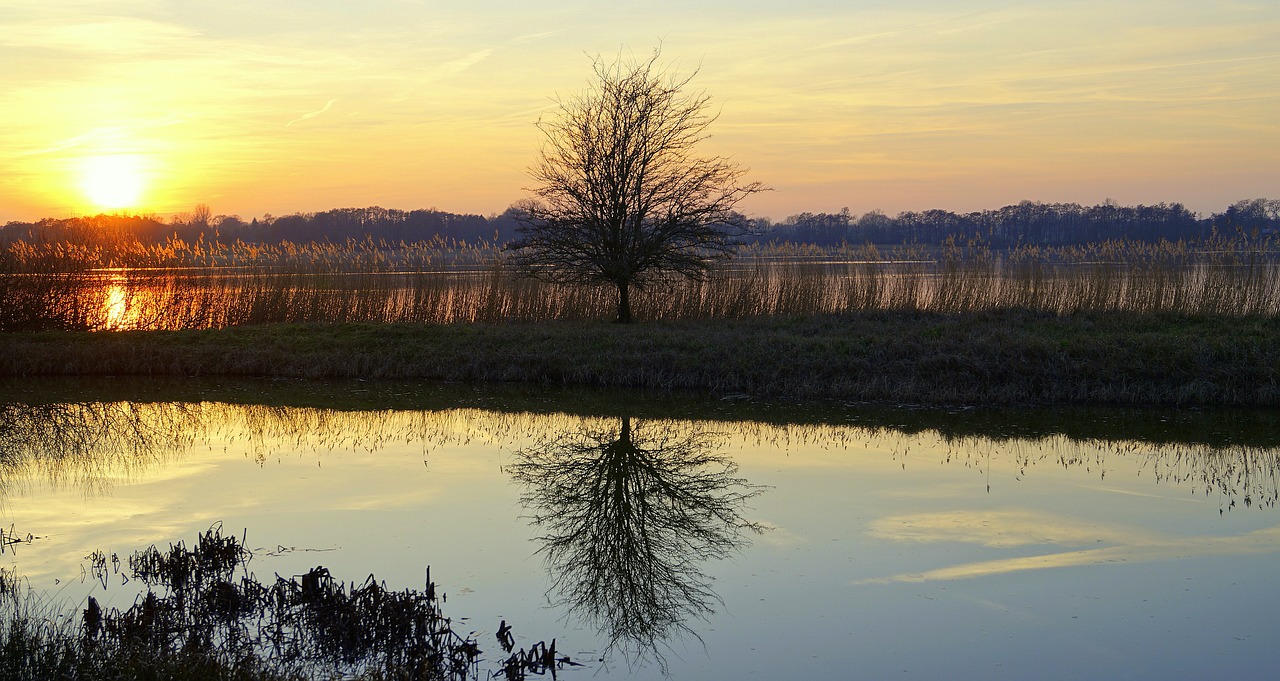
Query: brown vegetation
(191,286)
(205,615)
(1117,323)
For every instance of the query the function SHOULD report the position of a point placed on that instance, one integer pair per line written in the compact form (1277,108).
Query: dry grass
(191,286)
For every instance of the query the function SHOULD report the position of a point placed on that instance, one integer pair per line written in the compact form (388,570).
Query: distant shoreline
(1002,358)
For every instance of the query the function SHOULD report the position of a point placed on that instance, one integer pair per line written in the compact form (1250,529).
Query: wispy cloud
(104,138)
(953,23)
(1007,529)
(112,36)
(535,36)
(453,68)
(997,529)
(311,114)
(441,72)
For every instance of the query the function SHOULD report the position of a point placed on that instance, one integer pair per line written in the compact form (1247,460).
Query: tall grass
(180,286)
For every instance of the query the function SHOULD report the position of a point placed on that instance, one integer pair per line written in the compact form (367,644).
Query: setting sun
(113,181)
(259,108)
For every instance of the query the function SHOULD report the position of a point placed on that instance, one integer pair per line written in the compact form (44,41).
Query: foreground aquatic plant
(204,615)
(11,537)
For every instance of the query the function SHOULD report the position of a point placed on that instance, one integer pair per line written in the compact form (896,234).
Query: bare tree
(201,215)
(621,196)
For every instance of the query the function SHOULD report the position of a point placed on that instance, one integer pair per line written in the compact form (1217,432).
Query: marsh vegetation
(1119,322)
(233,285)
(202,614)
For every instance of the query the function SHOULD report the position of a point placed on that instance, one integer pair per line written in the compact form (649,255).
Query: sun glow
(113,181)
(115,305)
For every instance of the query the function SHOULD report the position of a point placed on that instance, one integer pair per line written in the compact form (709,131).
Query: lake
(670,536)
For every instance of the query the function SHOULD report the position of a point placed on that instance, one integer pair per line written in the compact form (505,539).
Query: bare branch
(620,195)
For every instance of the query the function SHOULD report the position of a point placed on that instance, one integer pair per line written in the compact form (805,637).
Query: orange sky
(279,107)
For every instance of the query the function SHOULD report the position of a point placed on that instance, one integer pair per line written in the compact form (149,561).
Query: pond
(667,536)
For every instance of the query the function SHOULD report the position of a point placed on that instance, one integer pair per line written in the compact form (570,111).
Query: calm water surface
(662,536)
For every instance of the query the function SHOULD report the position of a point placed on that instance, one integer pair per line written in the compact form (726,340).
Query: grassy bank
(992,358)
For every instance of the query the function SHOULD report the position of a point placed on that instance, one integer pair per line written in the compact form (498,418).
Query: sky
(279,107)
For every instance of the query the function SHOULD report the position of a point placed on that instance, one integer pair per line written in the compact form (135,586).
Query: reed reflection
(85,444)
(629,516)
(89,445)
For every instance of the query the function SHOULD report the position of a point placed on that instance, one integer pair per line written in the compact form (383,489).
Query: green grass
(1000,357)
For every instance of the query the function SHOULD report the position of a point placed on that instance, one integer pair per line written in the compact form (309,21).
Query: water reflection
(629,515)
(88,444)
(115,307)
(1080,543)
(634,512)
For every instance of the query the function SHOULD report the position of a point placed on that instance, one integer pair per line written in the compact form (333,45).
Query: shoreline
(991,359)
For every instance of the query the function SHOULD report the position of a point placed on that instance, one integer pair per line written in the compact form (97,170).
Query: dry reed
(183,286)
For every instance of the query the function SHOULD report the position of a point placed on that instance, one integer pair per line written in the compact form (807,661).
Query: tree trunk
(624,433)
(624,303)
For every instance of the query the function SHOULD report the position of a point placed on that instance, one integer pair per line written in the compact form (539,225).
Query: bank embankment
(994,358)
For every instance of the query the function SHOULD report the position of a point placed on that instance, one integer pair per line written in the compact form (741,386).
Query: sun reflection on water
(115,306)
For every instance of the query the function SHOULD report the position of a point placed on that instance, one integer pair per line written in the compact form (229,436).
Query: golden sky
(286,106)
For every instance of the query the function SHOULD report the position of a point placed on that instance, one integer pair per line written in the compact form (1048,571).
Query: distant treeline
(1025,223)
(1052,224)
(333,226)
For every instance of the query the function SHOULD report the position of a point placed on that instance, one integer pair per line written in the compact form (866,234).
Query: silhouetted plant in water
(629,517)
(11,537)
(206,616)
(8,582)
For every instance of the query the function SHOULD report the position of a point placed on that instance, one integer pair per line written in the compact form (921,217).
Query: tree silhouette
(628,519)
(621,196)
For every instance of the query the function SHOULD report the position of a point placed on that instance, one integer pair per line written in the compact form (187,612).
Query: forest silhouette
(1027,222)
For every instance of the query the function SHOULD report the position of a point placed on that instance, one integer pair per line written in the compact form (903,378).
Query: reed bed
(187,286)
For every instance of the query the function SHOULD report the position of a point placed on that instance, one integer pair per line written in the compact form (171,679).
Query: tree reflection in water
(79,444)
(629,516)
